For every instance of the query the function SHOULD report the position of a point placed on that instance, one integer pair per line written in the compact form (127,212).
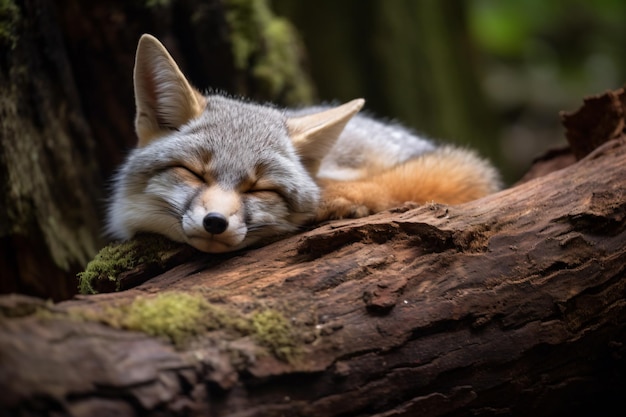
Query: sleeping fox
(221,173)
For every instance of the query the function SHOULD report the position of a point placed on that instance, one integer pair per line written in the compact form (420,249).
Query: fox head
(215,172)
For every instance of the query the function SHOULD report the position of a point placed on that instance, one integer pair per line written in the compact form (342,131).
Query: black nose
(215,223)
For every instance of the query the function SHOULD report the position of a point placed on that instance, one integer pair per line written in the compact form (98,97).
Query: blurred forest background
(493,74)
(490,74)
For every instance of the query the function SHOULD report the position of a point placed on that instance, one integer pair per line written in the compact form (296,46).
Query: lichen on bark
(268,48)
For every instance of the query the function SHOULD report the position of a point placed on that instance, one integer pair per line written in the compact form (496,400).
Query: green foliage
(541,57)
(503,27)
(572,29)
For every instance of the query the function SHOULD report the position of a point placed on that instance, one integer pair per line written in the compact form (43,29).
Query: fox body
(222,174)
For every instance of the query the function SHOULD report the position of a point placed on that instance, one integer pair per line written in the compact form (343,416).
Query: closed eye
(259,186)
(264,189)
(187,172)
(259,191)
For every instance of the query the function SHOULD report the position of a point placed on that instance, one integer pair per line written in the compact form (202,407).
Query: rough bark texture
(601,118)
(49,182)
(510,305)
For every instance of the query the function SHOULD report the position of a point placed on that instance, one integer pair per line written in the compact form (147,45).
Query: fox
(223,173)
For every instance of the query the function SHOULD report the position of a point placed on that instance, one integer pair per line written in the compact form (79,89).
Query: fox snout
(214,221)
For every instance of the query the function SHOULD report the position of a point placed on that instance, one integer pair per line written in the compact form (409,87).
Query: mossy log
(513,304)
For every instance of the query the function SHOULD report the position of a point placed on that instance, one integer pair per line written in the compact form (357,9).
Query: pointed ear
(313,135)
(164,98)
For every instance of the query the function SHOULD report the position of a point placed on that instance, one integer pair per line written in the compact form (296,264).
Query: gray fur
(364,137)
(228,140)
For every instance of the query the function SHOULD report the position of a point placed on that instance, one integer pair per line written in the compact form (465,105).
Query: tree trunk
(67,109)
(49,181)
(513,304)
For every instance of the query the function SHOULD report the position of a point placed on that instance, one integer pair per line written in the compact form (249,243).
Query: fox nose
(215,223)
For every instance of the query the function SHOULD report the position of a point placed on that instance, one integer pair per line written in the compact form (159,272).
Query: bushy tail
(448,175)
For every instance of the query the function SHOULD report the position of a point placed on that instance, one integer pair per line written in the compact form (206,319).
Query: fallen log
(513,304)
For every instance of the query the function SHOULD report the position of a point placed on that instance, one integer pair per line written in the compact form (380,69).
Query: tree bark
(49,183)
(513,304)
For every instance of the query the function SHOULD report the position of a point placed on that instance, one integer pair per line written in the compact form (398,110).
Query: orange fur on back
(447,175)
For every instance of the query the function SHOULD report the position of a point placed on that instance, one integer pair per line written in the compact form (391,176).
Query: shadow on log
(514,304)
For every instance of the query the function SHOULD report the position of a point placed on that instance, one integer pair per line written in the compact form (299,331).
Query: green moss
(244,20)
(116,258)
(269,48)
(174,315)
(9,19)
(273,330)
(279,66)
(179,317)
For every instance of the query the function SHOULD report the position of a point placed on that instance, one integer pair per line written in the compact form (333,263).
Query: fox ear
(313,135)
(164,99)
